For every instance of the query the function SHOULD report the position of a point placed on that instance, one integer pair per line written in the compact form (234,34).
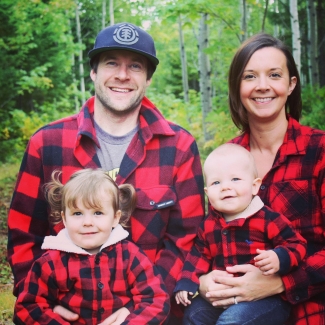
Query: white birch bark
(103,14)
(296,43)
(111,12)
(205,73)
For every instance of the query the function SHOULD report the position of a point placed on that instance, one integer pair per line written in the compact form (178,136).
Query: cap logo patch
(126,34)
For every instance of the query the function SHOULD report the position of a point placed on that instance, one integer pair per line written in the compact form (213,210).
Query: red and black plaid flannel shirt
(295,187)
(93,286)
(162,162)
(220,244)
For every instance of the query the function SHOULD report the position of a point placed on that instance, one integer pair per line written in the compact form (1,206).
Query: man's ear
(93,75)
(256,185)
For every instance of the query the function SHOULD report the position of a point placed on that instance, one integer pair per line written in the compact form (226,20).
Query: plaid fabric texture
(93,286)
(162,162)
(220,244)
(295,187)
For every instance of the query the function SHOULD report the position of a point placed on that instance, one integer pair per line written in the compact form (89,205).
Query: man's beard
(108,105)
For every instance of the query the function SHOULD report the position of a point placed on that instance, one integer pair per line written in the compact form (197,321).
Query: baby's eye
(236,179)
(215,183)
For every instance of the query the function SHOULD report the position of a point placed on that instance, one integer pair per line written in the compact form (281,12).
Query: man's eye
(136,67)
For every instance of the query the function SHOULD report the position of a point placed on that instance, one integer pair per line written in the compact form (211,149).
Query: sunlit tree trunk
(296,44)
(81,66)
(312,43)
(205,74)
(111,12)
(183,60)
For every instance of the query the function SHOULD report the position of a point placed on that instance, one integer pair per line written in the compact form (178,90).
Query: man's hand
(117,318)
(66,314)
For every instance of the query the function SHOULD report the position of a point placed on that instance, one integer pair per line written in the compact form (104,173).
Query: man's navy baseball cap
(125,36)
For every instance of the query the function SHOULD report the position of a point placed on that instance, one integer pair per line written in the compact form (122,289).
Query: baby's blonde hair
(85,185)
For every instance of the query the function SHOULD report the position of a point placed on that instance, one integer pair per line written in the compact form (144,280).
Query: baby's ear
(206,190)
(256,185)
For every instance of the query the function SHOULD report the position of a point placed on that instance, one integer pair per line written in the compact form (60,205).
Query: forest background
(45,70)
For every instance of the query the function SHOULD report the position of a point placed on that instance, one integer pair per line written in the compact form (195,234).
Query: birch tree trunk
(264,15)
(183,60)
(204,73)
(312,43)
(296,44)
(103,14)
(243,20)
(111,12)
(81,66)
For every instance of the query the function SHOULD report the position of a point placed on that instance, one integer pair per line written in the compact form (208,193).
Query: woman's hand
(66,314)
(253,285)
(117,318)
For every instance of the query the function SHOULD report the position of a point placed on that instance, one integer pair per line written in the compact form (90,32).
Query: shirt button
(225,232)
(263,187)
(101,310)
(100,285)
(97,259)
(297,298)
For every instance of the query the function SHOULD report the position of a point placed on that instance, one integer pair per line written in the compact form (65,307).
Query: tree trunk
(243,20)
(321,41)
(103,14)
(205,73)
(296,43)
(183,60)
(264,15)
(111,12)
(312,43)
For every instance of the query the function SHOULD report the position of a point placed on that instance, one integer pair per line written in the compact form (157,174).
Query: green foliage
(313,107)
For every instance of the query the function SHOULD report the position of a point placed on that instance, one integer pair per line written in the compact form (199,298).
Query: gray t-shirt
(112,149)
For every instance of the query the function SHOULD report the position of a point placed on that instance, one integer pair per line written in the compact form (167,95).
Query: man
(120,130)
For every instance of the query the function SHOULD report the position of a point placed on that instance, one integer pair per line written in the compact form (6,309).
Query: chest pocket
(150,218)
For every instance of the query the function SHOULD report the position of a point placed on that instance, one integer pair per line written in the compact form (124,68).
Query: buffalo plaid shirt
(295,186)
(163,164)
(93,286)
(220,244)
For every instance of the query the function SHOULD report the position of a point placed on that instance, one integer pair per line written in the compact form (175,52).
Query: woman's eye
(275,75)
(248,77)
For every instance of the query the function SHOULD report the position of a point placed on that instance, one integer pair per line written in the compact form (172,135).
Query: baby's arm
(267,261)
(182,297)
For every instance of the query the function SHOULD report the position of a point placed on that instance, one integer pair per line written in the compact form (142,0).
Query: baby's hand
(182,297)
(267,261)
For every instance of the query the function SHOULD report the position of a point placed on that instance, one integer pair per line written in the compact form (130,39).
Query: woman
(265,104)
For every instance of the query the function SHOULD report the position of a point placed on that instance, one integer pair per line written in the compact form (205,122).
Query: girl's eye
(98,213)
(77,213)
